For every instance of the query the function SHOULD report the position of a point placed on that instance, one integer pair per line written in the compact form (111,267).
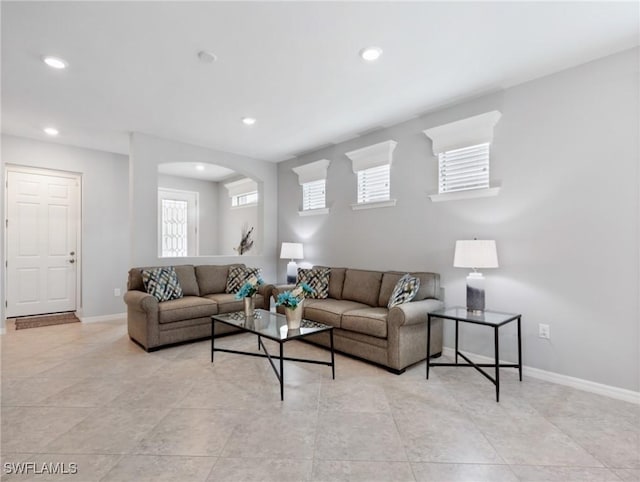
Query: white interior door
(42,224)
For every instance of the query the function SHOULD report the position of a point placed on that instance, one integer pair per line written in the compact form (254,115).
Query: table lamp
(291,251)
(476,253)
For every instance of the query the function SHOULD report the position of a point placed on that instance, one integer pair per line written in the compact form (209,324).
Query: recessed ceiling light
(248,121)
(55,62)
(199,167)
(207,57)
(371,54)
(51,131)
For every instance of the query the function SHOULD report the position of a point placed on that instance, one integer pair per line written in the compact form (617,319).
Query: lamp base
(292,272)
(475,293)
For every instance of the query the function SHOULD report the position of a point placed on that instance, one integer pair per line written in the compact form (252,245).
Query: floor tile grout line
(121,456)
(576,442)
(404,448)
(211,470)
(488,440)
(317,432)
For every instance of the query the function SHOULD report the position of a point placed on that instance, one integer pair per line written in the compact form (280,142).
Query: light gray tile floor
(85,394)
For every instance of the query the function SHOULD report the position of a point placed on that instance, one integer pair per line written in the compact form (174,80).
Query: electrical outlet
(116,292)
(544,331)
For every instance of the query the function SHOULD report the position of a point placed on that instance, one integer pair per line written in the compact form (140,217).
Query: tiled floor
(85,394)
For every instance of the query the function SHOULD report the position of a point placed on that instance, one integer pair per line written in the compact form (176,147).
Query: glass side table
(492,319)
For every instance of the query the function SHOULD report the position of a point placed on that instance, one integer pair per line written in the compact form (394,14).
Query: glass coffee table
(272,326)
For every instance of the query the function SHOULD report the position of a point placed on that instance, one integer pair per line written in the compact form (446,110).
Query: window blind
(313,195)
(374,184)
(465,168)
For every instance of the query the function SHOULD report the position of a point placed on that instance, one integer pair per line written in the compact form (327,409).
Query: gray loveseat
(153,324)
(363,326)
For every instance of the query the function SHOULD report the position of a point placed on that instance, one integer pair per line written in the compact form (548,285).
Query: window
(313,179)
(243,192)
(177,223)
(244,199)
(174,227)
(462,149)
(374,184)
(313,195)
(462,169)
(372,165)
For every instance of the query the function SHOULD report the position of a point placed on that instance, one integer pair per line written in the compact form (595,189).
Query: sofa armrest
(141,301)
(265,290)
(413,312)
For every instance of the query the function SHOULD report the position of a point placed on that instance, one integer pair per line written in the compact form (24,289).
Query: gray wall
(234,219)
(105,226)
(147,152)
(566,220)
(208,226)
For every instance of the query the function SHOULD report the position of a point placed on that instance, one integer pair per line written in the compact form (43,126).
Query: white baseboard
(96,319)
(578,383)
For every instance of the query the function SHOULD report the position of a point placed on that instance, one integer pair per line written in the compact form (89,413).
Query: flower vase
(294,316)
(249,306)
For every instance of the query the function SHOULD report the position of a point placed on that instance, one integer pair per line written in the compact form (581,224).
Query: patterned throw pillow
(238,275)
(318,279)
(162,283)
(405,290)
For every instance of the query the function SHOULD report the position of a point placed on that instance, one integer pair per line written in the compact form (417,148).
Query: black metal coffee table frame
(492,319)
(307,328)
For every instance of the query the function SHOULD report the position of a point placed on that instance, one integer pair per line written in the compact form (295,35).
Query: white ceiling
(197,170)
(294,66)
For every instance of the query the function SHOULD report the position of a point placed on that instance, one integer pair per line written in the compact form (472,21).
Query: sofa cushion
(162,283)
(336,281)
(227,302)
(429,285)
(134,282)
(185,273)
(369,321)
(317,279)
(362,286)
(389,281)
(329,311)
(238,275)
(212,279)
(404,291)
(187,277)
(185,308)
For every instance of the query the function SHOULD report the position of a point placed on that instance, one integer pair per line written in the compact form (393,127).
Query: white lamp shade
(291,251)
(475,253)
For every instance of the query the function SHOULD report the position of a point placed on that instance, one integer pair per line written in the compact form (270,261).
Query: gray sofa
(154,324)
(363,326)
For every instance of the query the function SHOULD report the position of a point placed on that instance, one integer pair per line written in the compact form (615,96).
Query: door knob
(72,261)
(72,253)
